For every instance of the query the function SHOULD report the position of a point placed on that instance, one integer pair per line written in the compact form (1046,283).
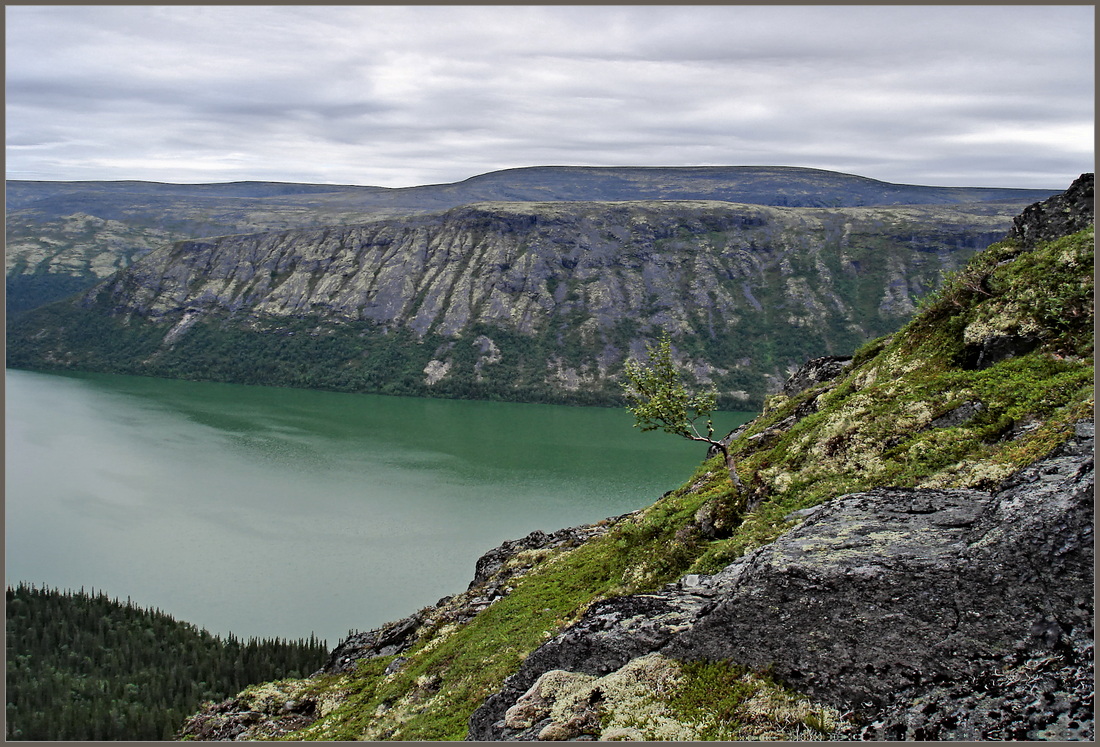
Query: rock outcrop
(878,603)
(815,372)
(1062,214)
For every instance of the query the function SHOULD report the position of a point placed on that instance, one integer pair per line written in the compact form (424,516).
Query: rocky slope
(913,592)
(533,301)
(912,559)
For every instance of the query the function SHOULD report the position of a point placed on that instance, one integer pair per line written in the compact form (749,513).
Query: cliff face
(535,301)
(912,559)
(64,236)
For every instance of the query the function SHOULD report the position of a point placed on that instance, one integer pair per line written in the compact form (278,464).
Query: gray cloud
(396,96)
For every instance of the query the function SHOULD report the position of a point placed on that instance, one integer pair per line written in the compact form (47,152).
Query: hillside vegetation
(994,373)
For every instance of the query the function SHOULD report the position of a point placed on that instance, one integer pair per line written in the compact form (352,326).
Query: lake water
(280,512)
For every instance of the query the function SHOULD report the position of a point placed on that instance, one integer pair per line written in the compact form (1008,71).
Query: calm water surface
(281,512)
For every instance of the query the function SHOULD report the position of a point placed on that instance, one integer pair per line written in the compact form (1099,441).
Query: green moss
(723,701)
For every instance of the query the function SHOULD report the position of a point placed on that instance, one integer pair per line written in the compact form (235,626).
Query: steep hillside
(912,559)
(64,236)
(519,301)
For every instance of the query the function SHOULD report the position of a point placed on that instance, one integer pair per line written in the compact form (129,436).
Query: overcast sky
(400,96)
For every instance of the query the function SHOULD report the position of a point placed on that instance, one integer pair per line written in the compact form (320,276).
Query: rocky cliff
(533,301)
(911,559)
(65,236)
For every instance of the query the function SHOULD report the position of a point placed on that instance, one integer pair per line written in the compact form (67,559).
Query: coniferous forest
(83,666)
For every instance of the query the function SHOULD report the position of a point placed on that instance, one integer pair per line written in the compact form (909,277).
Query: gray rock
(880,601)
(1069,212)
(962,414)
(982,355)
(392,638)
(816,371)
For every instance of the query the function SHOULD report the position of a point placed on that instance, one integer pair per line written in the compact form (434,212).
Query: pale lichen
(970,474)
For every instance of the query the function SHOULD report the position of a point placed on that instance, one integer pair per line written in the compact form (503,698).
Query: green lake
(281,512)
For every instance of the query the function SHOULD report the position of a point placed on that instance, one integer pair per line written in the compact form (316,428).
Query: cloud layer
(398,96)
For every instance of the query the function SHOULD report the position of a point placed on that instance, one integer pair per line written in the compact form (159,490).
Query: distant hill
(781,186)
(64,236)
(758,185)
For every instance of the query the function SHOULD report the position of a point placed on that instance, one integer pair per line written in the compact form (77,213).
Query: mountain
(532,301)
(761,185)
(786,186)
(64,236)
(911,558)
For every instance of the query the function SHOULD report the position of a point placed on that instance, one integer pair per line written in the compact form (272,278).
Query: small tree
(659,399)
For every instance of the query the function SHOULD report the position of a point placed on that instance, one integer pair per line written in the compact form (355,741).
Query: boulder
(1062,214)
(816,371)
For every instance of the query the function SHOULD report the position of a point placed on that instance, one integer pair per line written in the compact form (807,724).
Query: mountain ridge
(63,236)
(585,184)
(535,301)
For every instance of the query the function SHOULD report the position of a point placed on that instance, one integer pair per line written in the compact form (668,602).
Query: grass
(727,702)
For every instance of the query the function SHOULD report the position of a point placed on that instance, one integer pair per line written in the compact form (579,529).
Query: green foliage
(714,693)
(659,397)
(82,666)
(294,352)
(28,291)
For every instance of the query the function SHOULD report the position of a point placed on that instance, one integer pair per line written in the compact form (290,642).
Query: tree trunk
(731,465)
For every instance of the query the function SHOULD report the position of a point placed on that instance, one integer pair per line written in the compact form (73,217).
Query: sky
(395,96)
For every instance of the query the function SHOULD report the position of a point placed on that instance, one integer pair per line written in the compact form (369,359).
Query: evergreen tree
(82,666)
